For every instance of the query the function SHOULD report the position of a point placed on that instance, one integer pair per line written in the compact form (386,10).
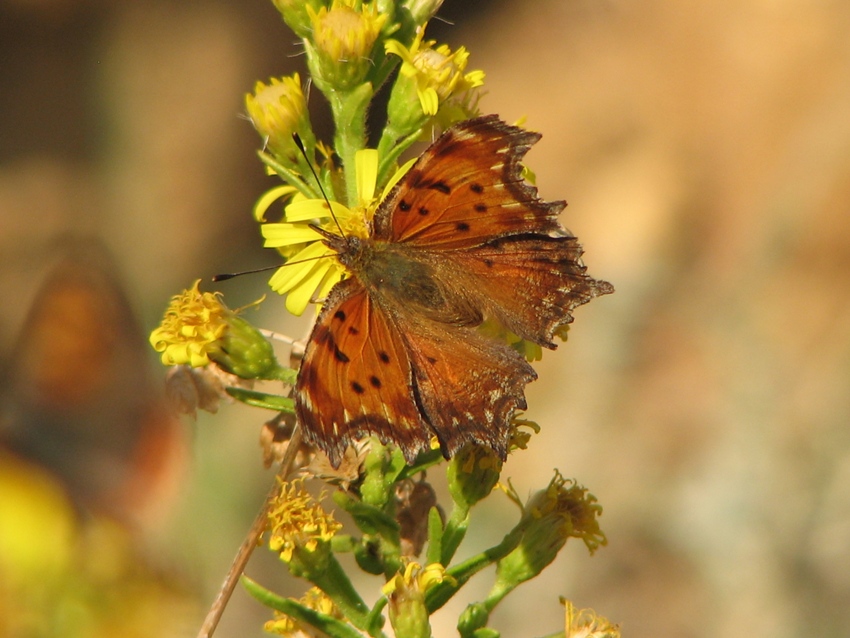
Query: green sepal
(473,619)
(435,537)
(368,556)
(368,518)
(263,400)
(381,469)
(292,608)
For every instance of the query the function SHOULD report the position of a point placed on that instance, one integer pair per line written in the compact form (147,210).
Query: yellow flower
(343,37)
(314,599)
(277,110)
(312,268)
(192,328)
(570,509)
(438,75)
(549,518)
(584,623)
(519,438)
(415,578)
(298,522)
(198,329)
(406,594)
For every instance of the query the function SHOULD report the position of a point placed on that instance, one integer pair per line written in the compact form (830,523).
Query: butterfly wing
(465,189)
(466,385)
(465,208)
(530,283)
(362,375)
(356,378)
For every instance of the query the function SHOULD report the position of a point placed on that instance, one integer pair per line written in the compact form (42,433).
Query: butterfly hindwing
(467,385)
(530,283)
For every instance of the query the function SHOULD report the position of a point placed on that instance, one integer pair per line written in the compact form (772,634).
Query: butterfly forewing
(467,188)
(356,377)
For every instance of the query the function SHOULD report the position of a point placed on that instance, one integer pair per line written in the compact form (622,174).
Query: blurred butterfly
(77,397)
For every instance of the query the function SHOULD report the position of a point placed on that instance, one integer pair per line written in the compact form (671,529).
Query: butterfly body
(396,349)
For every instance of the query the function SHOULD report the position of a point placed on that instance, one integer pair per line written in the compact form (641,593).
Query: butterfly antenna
(297,139)
(231,275)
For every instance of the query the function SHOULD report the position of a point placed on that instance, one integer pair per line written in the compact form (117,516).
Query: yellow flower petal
(297,300)
(270,197)
(366,172)
(292,274)
(310,209)
(285,234)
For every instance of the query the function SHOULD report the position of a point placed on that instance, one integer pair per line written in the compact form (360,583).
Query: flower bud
(198,329)
(472,474)
(339,52)
(549,518)
(277,110)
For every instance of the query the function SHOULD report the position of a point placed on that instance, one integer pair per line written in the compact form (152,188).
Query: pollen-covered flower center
(337,31)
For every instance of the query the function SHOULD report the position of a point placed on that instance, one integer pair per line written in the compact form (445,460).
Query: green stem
(390,149)
(349,113)
(336,584)
(454,532)
(305,615)
(440,594)
(289,176)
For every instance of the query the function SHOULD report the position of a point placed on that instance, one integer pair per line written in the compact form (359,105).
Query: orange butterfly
(80,400)
(395,351)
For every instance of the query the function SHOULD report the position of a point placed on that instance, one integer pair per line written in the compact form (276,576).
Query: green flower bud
(472,474)
(339,49)
(295,14)
(278,110)
(245,352)
(549,518)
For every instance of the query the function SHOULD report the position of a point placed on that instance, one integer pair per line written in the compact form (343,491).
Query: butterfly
(396,350)
(78,399)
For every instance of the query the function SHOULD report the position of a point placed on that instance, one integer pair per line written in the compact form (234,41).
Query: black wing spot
(358,389)
(488,263)
(431,360)
(423,211)
(339,355)
(375,381)
(462,226)
(440,186)
(353,331)
(403,206)
(480,208)
(476,188)
(383,356)
(339,314)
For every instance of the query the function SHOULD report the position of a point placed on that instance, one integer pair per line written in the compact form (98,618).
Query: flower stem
(349,113)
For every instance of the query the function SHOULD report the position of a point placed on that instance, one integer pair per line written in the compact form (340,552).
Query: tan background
(704,149)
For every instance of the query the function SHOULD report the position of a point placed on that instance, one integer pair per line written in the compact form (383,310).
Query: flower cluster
(198,329)
(297,521)
(192,328)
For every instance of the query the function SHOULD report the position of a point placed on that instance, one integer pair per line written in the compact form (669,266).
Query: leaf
(263,400)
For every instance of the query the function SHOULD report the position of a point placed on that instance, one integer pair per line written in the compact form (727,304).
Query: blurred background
(704,151)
